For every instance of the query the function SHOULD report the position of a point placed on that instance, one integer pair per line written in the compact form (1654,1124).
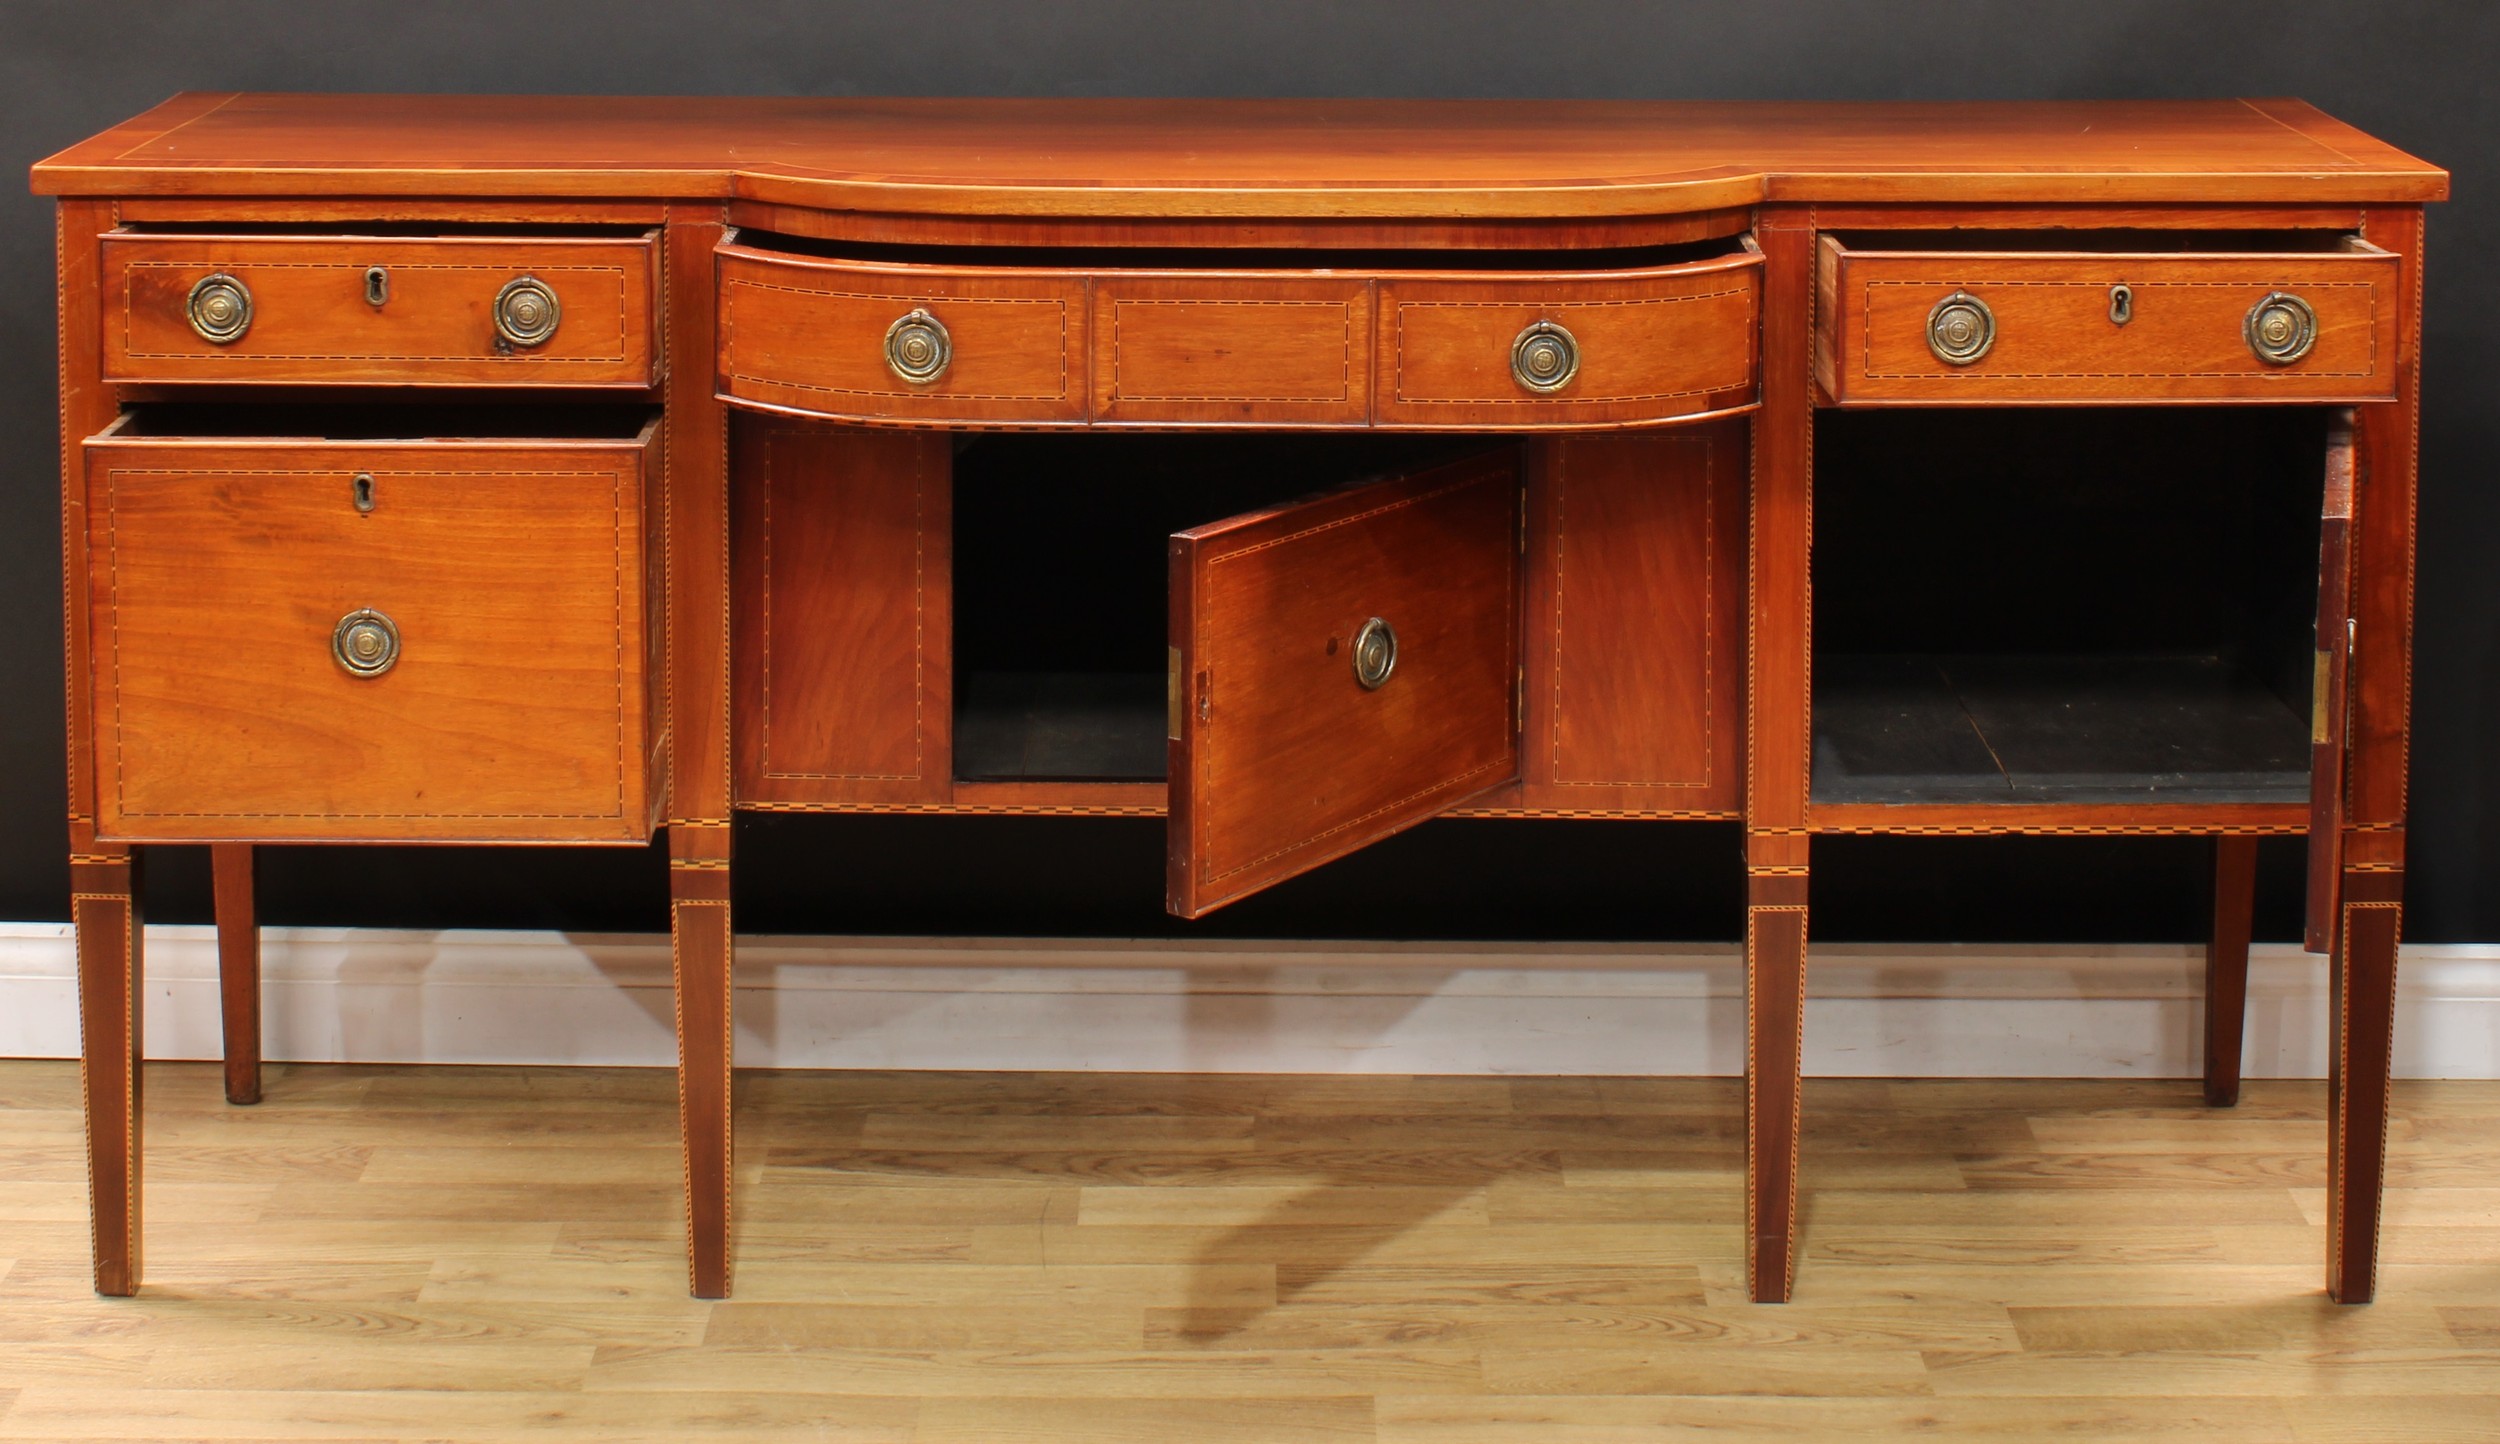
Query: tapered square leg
(700,949)
(2226,966)
(105,914)
(1775,979)
(2363,1011)
(238,968)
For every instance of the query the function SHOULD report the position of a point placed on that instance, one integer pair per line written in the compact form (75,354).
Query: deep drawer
(368,640)
(915,343)
(1569,350)
(438,311)
(2051,326)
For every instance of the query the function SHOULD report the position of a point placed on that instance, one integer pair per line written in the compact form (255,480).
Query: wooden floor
(487,1254)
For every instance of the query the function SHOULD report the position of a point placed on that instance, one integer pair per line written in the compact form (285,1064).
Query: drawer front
(1568,350)
(452,311)
(852,341)
(465,660)
(1229,349)
(2074,326)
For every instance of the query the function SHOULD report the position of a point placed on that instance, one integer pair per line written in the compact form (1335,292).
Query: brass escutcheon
(1375,653)
(2121,304)
(377,286)
(526,312)
(2281,328)
(918,348)
(220,308)
(365,643)
(1544,358)
(1961,329)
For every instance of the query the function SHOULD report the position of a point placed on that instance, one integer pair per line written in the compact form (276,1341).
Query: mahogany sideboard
(565,470)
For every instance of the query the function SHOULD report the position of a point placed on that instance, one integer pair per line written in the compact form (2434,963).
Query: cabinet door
(1341,669)
(842,637)
(1636,624)
(2330,702)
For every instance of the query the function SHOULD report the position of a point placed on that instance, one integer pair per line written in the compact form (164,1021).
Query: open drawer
(1467,341)
(327,631)
(450,310)
(1964,317)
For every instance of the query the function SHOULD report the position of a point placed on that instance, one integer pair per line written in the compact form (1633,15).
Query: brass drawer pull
(2281,328)
(365,643)
(918,348)
(1375,653)
(1962,328)
(220,309)
(526,312)
(1543,359)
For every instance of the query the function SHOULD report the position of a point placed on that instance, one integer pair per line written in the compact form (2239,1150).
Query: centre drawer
(1962,319)
(342,639)
(469,310)
(1403,340)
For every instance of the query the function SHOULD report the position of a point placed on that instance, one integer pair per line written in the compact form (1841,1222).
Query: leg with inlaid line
(700,949)
(238,968)
(2362,1004)
(1775,978)
(105,913)
(2226,966)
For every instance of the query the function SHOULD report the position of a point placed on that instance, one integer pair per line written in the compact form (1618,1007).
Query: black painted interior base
(1063,726)
(2047,728)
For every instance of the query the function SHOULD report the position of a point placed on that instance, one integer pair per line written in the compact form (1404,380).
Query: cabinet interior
(2065,605)
(1062,584)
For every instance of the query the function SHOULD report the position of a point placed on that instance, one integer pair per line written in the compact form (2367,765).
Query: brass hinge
(1523,521)
(1519,701)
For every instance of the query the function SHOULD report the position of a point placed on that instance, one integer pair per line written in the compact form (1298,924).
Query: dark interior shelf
(2027,728)
(1062,726)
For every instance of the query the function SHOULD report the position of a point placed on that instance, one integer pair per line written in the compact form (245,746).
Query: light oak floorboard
(498,1254)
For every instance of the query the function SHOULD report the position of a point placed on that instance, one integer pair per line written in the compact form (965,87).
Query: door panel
(1635,623)
(1282,757)
(844,627)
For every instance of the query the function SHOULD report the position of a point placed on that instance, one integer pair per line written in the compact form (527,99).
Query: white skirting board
(350,995)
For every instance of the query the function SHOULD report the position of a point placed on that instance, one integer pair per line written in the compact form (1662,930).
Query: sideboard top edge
(1142,159)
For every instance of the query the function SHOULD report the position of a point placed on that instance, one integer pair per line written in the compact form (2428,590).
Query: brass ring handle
(2281,328)
(220,309)
(918,348)
(526,312)
(1375,653)
(365,643)
(1961,329)
(1544,357)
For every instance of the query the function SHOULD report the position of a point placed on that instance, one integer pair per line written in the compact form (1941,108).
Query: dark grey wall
(2419,74)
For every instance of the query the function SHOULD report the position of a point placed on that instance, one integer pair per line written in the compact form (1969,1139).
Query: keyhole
(361,489)
(377,285)
(2121,305)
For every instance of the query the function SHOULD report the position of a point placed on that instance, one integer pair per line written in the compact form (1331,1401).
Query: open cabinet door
(1341,669)
(2330,707)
